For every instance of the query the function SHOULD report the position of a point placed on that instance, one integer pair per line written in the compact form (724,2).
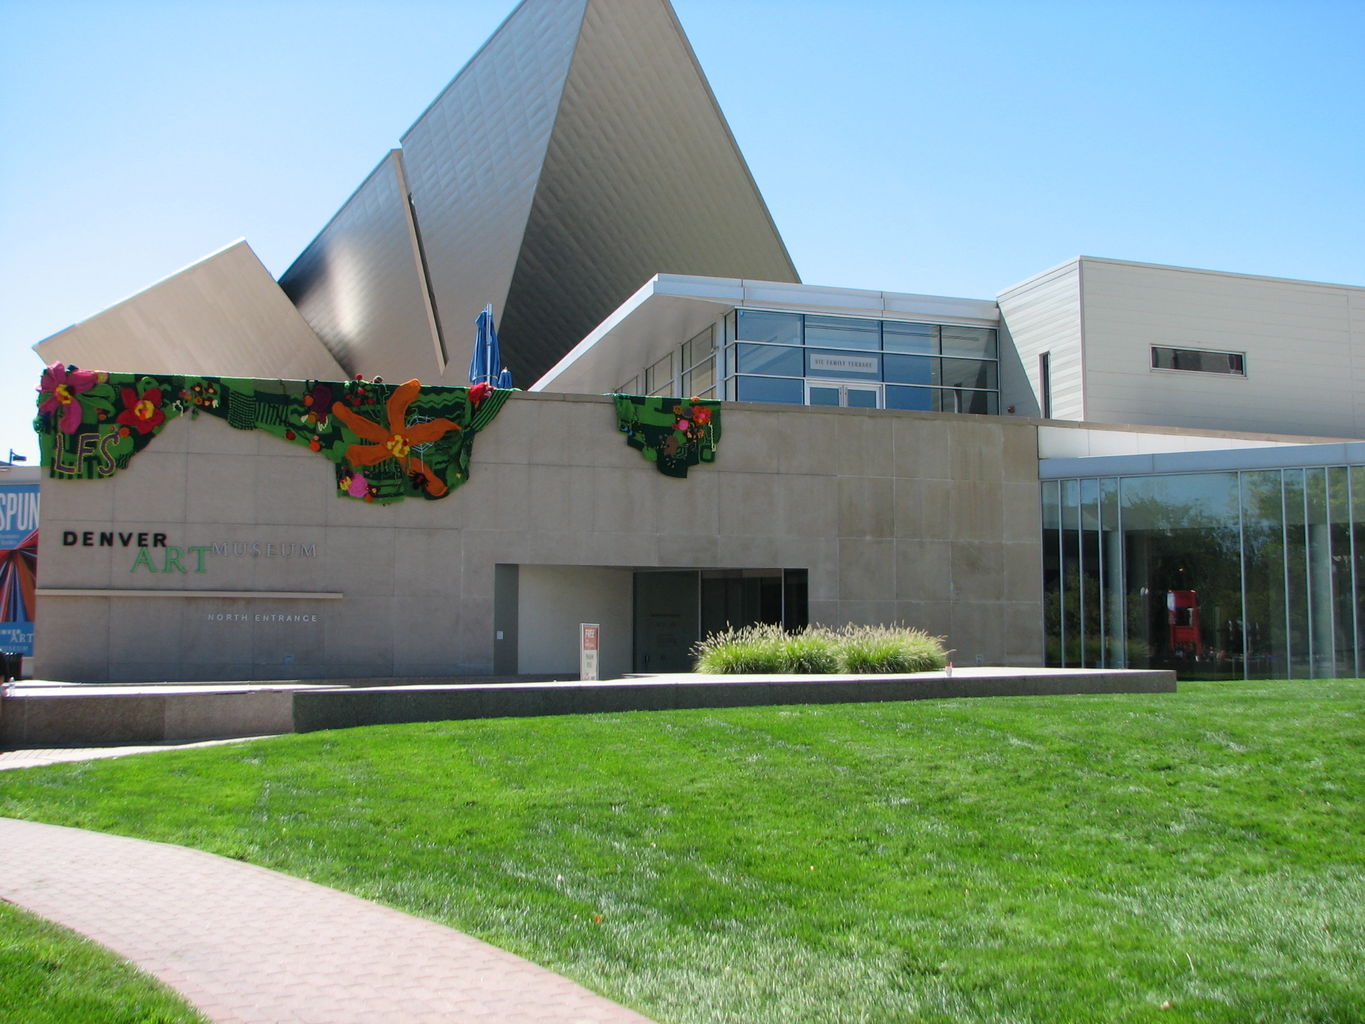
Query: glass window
(789,362)
(910,369)
(1182,573)
(919,399)
(967,373)
(699,381)
(919,339)
(860,398)
(1263,572)
(972,342)
(823,394)
(770,389)
(1199,360)
(1296,576)
(659,377)
(1052,568)
(1358,551)
(759,325)
(843,332)
(698,348)
(860,366)
(630,387)
(984,403)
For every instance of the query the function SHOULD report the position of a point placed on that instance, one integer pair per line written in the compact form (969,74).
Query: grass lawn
(1197,856)
(50,976)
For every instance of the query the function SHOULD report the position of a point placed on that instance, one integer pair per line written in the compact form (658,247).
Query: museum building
(1110,464)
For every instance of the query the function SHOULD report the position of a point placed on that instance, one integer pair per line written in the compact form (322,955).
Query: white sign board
(830,363)
(589,636)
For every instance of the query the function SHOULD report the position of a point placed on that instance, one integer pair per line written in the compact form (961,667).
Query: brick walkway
(245,944)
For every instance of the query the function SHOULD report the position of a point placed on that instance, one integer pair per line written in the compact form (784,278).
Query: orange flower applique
(394,439)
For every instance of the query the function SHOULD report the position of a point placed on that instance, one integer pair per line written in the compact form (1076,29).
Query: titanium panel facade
(579,153)
(224,315)
(473,160)
(642,176)
(361,278)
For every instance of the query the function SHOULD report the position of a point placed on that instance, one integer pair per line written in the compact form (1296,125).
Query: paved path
(60,755)
(248,945)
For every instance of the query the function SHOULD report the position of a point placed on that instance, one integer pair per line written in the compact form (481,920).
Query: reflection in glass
(1215,575)
(843,332)
(1072,595)
(967,373)
(659,377)
(1297,643)
(770,389)
(1183,572)
(972,342)
(1092,576)
(918,339)
(1343,595)
(1110,556)
(919,399)
(911,369)
(1052,571)
(759,325)
(788,362)
(861,398)
(1357,485)
(700,381)
(1263,573)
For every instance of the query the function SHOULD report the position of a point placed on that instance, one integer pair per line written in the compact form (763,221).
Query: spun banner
(18,565)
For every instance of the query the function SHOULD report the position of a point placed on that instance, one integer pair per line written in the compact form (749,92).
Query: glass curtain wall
(805,358)
(1228,575)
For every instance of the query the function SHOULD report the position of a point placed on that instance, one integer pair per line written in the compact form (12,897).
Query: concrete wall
(554,599)
(928,519)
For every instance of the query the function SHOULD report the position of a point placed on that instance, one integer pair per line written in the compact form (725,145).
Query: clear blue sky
(951,149)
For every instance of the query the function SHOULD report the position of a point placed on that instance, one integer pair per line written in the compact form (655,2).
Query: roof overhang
(671,308)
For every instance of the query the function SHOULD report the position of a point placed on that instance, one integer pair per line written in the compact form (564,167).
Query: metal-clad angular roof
(223,315)
(578,154)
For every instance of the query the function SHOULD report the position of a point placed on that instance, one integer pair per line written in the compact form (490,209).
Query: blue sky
(950,149)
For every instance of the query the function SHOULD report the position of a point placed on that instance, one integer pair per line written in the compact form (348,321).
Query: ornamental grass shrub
(767,648)
(889,649)
(749,649)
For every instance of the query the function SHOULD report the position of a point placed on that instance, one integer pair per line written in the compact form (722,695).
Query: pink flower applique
(62,384)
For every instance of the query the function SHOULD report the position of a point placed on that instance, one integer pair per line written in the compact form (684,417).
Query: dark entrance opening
(674,608)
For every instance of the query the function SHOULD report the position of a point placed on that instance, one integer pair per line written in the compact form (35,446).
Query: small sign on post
(589,636)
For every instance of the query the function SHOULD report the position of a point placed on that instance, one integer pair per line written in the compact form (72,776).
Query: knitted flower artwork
(62,385)
(388,443)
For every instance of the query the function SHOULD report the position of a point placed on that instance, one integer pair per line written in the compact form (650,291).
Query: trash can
(11,666)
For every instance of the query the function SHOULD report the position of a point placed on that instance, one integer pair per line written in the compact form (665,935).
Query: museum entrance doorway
(674,608)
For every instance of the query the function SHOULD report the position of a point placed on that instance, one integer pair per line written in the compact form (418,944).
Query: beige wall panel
(361,590)
(1304,349)
(1044,315)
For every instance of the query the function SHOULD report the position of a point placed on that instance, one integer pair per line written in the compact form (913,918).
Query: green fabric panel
(90,424)
(672,433)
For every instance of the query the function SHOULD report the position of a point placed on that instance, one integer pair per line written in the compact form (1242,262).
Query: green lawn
(50,976)
(1197,856)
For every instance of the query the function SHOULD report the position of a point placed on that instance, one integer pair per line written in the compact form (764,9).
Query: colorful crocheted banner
(672,433)
(388,442)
